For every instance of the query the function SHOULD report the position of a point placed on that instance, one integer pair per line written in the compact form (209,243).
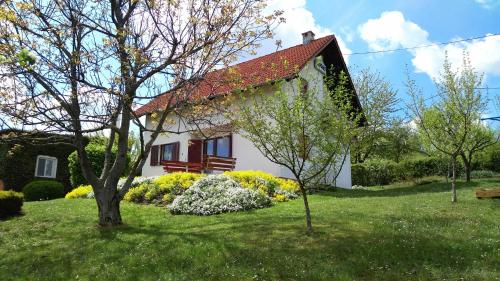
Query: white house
(227,150)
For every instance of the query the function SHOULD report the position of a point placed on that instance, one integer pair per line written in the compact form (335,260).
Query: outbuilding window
(46,166)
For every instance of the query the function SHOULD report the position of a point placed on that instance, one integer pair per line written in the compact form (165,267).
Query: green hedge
(424,167)
(494,161)
(376,172)
(96,154)
(483,174)
(43,190)
(11,203)
(382,172)
(488,159)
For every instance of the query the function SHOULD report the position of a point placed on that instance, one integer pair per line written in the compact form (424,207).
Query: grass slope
(397,233)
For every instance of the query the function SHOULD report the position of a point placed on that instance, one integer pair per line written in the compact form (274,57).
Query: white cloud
(298,20)
(347,33)
(391,30)
(483,54)
(488,4)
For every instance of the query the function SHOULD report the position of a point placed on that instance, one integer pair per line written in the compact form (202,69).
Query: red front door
(195,151)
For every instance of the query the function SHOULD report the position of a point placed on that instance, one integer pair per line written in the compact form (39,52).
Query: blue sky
(378,25)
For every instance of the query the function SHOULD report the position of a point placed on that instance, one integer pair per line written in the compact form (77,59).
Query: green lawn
(396,233)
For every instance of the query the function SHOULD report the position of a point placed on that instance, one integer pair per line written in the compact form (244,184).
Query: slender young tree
(80,66)
(446,124)
(304,126)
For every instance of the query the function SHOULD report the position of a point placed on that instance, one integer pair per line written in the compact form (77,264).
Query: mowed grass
(395,233)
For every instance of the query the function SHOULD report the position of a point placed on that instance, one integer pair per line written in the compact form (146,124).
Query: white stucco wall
(248,157)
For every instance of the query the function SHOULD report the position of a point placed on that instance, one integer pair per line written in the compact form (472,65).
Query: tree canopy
(81,66)
(305,125)
(446,125)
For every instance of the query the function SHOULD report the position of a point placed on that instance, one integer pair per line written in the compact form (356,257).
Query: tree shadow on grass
(258,245)
(11,216)
(267,244)
(269,249)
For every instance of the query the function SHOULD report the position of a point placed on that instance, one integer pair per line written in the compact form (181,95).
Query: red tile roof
(278,65)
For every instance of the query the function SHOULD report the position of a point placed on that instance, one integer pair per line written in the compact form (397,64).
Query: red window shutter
(154,155)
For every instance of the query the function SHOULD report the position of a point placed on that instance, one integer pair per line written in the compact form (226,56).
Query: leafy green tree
(378,100)
(447,123)
(306,129)
(80,66)
(479,138)
(402,140)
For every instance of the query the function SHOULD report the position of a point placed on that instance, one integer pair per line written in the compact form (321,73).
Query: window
(46,166)
(223,148)
(210,147)
(220,147)
(170,152)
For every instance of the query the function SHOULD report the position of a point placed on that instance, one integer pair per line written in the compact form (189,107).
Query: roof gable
(275,66)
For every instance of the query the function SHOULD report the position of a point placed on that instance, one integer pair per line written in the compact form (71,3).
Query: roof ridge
(254,75)
(278,51)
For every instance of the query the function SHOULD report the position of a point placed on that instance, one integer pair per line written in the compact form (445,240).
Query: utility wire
(496,118)
(437,95)
(424,46)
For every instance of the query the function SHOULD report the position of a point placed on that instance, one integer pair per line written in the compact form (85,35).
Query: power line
(423,46)
(407,107)
(487,88)
(496,118)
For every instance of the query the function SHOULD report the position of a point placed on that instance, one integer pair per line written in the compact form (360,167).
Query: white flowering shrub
(216,194)
(136,182)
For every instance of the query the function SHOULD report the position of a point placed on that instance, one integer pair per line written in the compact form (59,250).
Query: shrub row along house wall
(26,156)
(310,60)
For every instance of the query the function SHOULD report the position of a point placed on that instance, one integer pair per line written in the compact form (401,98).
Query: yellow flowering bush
(266,183)
(80,192)
(256,180)
(153,192)
(136,194)
(168,198)
(163,189)
(288,185)
(280,198)
(176,183)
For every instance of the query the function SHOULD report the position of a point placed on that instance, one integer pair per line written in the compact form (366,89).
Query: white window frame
(54,167)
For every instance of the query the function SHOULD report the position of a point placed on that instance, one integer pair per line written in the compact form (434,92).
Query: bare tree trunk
(467,171)
(467,167)
(308,211)
(108,205)
(454,180)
